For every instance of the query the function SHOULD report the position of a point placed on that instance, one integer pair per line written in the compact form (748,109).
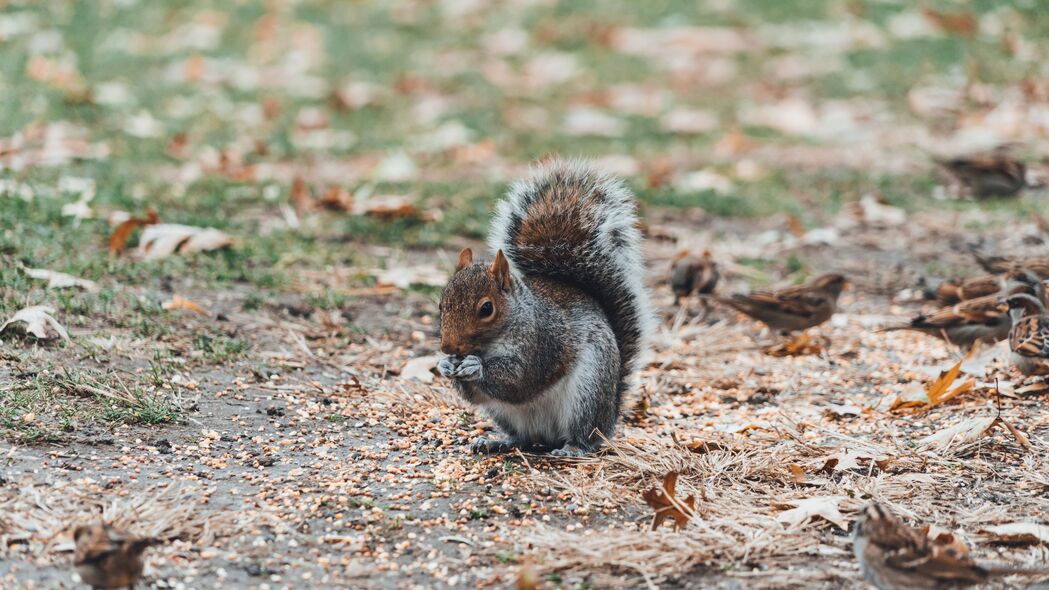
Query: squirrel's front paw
(470,369)
(484,446)
(447,366)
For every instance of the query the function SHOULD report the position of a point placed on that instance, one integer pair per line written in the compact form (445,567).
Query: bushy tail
(567,221)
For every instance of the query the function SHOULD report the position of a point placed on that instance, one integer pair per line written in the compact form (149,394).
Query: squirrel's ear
(500,269)
(465,258)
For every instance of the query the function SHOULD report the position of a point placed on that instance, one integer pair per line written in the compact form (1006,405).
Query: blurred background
(297,127)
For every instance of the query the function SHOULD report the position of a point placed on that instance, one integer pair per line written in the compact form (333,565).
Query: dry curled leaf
(969,430)
(37,319)
(527,579)
(60,280)
(301,196)
(667,505)
(797,473)
(118,239)
(959,23)
(701,447)
(825,507)
(161,240)
(1017,533)
(180,302)
(938,392)
(1036,387)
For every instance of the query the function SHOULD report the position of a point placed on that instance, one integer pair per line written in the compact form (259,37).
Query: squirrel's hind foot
(569,450)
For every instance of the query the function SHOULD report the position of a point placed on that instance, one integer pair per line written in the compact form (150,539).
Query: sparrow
(1039,265)
(984,319)
(1029,336)
(895,556)
(950,292)
(690,273)
(106,558)
(795,308)
(991,174)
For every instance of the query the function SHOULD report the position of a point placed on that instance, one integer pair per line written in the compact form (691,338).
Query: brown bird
(895,556)
(950,292)
(1039,265)
(1029,336)
(795,308)
(984,319)
(105,558)
(991,174)
(693,274)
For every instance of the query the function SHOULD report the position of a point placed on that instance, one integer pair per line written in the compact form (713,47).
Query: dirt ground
(331,470)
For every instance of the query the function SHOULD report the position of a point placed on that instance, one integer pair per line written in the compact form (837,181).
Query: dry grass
(39,519)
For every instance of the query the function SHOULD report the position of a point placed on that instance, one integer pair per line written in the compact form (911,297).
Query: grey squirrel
(547,336)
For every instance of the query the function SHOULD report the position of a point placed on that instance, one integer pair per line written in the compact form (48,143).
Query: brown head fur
(474,304)
(832,283)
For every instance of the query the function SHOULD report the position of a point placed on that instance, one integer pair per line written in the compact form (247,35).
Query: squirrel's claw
(470,369)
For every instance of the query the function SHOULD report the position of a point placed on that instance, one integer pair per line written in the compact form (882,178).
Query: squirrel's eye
(486,310)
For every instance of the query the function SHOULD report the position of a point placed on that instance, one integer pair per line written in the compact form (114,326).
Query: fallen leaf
(1020,437)
(795,226)
(701,447)
(118,239)
(1036,387)
(527,578)
(844,460)
(970,430)
(963,432)
(180,302)
(1018,533)
(37,319)
(874,212)
(420,368)
(825,507)
(389,207)
(336,198)
(959,23)
(60,280)
(913,395)
(939,391)
(667,505)
(161,240)
(883,464)
(301,197)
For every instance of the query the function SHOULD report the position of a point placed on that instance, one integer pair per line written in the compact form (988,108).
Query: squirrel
(546,337)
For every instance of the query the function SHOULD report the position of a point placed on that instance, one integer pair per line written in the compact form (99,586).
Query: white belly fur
(548,417)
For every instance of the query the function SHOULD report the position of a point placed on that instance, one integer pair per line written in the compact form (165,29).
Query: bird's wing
(1030,337)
